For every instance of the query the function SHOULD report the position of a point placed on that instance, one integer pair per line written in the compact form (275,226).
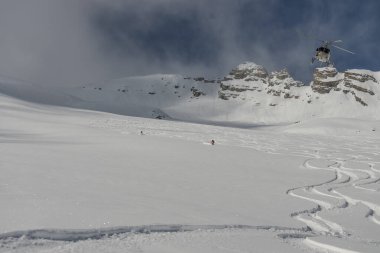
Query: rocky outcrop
(236,88)
(226,96)
(252,77)
(280,84)
(358,99)
(282,77)
(252,82)
(196,92)
(325,80)
(245,77)
(247,80)
(249,71)
(351,82)
(159,114)
(359,81)
(360,77)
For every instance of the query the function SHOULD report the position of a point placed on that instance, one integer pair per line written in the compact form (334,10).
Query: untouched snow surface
(82,181)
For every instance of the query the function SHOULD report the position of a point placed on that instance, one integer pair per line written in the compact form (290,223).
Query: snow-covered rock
(326,79)
(252,77)
(359,84)
(249,71)
(249,93)
(282,84)
(245,77)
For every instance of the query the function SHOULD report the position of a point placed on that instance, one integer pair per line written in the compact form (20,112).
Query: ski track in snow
(328,197)
(86,234)
(325,195)
(132,238)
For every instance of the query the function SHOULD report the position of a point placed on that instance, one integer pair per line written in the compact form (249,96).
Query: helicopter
(323,53)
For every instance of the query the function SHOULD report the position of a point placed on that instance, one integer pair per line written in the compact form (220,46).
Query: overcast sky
(62,42)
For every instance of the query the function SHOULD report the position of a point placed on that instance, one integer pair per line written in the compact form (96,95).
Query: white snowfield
(74,180)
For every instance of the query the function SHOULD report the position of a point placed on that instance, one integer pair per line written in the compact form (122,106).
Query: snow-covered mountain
(248,94)
(278,97)
(86,181)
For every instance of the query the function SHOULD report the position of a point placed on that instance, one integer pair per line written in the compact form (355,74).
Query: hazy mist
(66,42)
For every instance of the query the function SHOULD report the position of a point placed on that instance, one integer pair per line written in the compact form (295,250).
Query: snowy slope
(267,189)
(147,96)
(34,93)
(68,169)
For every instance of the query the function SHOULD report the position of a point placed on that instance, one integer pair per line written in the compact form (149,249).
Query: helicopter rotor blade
(328,42)
(348,51)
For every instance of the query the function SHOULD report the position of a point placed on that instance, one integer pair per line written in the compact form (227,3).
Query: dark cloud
(161,33)
(69,41)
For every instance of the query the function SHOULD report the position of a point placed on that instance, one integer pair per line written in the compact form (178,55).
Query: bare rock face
(361,77)
(245,77)
(325,79)
(251,82)
(359,81)
(252,77)
(196,92)
(351,82)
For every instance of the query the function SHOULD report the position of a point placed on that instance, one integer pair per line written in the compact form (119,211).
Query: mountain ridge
(249,93)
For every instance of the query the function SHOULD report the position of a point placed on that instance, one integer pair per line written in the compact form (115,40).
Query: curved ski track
(327,196)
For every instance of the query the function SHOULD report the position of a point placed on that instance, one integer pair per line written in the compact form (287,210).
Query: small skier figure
(212,142)
(141,132)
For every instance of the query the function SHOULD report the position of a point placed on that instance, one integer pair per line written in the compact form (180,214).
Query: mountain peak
(248,93)
(249,70)
(325,79)
(248,65)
